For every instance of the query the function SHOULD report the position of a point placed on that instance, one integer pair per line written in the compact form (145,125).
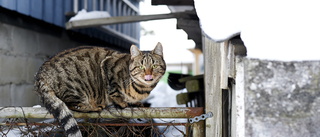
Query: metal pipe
(175,112)
(122,19)
(100,124)
(136,9)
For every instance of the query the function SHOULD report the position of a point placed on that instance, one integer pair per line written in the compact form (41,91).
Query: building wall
(58,12)
(281,98)
(22,51)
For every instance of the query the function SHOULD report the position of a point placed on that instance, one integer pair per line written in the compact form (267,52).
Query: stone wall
(282,99)
(22,51)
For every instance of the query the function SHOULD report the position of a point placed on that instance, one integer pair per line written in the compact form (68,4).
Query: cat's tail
(61,112)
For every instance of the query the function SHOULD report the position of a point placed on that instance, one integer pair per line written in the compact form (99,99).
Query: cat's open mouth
(148,78)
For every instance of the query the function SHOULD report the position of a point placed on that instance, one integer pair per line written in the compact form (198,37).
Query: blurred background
(277,84)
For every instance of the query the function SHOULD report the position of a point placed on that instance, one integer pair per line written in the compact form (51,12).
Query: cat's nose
(148,78)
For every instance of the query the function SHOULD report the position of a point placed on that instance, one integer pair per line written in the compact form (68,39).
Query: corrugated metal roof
(54,12)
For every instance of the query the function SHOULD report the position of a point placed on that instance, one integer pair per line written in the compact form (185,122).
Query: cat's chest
(132,96)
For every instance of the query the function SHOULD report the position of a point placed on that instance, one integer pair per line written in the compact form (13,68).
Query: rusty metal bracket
(201,117)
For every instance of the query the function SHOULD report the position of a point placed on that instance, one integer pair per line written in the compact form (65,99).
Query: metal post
(94,5)
(85,4)
(75,6)
(198,129)
(101,5)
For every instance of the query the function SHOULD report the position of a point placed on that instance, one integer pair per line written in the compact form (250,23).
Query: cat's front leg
(118,99)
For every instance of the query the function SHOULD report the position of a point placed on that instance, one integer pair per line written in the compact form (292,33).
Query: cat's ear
(134,51)
(158,49)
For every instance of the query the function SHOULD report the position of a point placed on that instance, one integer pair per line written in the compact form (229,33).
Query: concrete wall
(22,51)
(282,99)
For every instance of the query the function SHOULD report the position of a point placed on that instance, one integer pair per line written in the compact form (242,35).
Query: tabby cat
(88,79)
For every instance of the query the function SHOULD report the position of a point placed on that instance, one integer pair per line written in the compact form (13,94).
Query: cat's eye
(141,67)
(154,66)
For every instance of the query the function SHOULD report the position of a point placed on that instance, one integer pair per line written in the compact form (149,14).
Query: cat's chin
(148,82)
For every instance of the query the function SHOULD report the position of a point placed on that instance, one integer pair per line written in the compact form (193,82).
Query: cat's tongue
(148,78)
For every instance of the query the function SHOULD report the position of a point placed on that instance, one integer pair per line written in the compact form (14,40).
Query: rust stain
(196,111)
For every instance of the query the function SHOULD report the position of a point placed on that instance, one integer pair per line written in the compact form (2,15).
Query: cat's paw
(137,104)
(121,105)
(100,107)
(75,108)
(86,108)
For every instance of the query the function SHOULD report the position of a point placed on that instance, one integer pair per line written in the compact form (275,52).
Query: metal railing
(130,31)
(17,119)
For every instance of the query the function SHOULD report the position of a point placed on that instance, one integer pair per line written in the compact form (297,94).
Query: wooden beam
(198,129)
(125,19)
(213,92)
(224,68)
(238,101)
(192,28)
(173,2)
(231,63)
(240,48)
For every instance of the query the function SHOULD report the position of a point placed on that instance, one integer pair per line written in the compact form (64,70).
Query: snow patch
(164,96)
(84,15)
(270,29)
(36,106)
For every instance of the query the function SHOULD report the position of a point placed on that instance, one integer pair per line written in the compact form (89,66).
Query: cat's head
(147,67)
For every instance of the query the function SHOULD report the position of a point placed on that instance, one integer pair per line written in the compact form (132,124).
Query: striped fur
(87,79)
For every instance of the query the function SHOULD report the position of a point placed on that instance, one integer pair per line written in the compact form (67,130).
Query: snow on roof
(270,29)
(83,15)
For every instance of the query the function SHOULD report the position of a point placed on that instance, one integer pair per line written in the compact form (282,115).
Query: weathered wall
(22,51)
(282,99)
